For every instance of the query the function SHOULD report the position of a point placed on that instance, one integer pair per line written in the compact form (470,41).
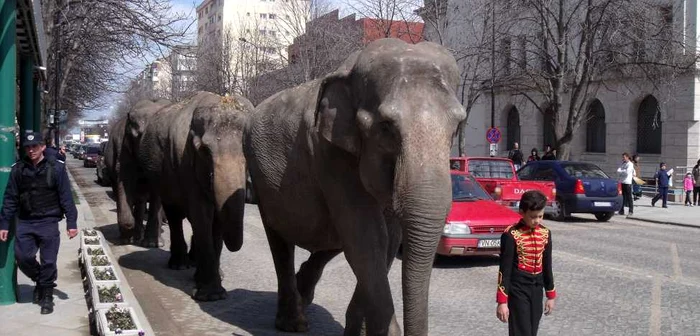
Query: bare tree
(96,42)
(389,18)
(574,48)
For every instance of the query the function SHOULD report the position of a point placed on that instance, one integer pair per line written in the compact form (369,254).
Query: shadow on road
(465,262)
(252,311)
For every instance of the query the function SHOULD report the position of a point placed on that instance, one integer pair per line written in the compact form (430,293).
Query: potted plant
(118,321)
(98,275)
(89,251)
(107,294)
(97,260)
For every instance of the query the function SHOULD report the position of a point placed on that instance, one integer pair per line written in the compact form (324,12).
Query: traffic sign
(493,135)
(493,149)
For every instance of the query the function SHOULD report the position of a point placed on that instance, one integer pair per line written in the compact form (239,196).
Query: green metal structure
(28,49)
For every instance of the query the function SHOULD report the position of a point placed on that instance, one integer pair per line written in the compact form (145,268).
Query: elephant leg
(151,236)
(209,243)
(290,310)
(193,250)
(178,245)
(125,214)
(310,272)
(139,211)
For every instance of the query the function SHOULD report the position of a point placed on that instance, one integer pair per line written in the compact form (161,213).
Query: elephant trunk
(422,202)
(229,197)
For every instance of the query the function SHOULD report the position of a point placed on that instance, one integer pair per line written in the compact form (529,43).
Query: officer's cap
(31,139)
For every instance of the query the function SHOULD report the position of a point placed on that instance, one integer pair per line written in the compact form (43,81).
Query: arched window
(548,136)
(595,128)
(512,127)
(649,126)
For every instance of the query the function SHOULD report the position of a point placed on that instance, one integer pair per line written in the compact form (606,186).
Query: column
(26,95)
(38,110)
(8,76)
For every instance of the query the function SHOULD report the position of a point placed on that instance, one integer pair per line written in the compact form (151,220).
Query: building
(627,114)
(155,80)
(267,25)
(183,64)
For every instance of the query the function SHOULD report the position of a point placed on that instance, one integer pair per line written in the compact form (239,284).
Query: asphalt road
(618,278)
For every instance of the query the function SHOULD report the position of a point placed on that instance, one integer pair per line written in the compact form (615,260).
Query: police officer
(51,152)
(38,191)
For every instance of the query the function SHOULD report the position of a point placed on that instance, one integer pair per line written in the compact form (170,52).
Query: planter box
(84,256)
(103,325)
(88,261)
(94,282)
(95,295)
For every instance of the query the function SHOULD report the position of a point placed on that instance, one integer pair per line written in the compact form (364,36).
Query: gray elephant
(357,162)
(124,174)
(192,157)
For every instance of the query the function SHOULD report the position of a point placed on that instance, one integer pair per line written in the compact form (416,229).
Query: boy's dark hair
(533,200)
(662,164)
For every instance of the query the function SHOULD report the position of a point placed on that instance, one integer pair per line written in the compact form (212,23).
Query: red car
(476,221)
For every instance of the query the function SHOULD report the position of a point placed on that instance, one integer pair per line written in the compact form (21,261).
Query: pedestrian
(636,185)
(51,151)
(516,156)
(534,155)
(526,269)
(38,191)
(626,175)
(688,188)
(549,153)
(696,183)
(662,178)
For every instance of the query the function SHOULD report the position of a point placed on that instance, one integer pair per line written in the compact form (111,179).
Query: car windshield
(491,169)
(583,170)
(465,188)
(92,150)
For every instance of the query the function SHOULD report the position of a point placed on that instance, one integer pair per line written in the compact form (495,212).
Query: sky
(187,7)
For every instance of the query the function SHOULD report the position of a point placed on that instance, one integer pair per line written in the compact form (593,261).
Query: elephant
(127,181)
(192,157)
(357,162)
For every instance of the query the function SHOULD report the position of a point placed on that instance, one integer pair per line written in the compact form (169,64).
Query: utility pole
(57,70)
(493,62)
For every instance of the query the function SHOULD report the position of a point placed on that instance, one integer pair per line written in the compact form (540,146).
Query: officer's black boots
(37,295)
(47,301)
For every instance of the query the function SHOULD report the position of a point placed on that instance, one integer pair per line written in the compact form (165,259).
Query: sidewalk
(675,214)
(70,316)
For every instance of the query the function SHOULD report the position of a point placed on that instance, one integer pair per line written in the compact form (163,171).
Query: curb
(86,219)
(655,221)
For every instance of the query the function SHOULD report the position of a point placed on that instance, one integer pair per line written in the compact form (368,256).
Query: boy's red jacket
(528,251)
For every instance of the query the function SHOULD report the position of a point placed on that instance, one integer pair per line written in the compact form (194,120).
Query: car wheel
(560,214)
(604,216)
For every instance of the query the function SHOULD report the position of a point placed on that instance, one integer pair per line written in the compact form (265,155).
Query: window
(595,128)
(466,188)
(263,16)
(272,16)
(506,55)
(522,53)
(491,169)
(262,32)
(545,174)
(526,173)
(649,126)
(583,170)
(272,33)
(512,128)
(247,14)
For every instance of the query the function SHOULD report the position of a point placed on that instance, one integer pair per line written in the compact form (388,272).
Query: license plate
(602,204)
(489,243)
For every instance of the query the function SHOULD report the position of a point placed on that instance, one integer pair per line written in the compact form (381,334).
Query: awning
(31,37)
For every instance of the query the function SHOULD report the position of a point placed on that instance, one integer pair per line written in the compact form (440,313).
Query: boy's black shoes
(47,302)
(37,295)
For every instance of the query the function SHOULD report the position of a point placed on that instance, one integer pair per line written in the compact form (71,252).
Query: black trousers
(687,197)
(627,200)
(45,238)
(663,195)
(696,195)
(525,304)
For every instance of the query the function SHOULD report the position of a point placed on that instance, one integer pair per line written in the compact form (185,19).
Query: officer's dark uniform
(53,153)
(39,196)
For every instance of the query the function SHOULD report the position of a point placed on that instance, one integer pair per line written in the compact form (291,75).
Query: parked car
(90,156)
(498,177)
(475,222)
(103,177)
(581,187)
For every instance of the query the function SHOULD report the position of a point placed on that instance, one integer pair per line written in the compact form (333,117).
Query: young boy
(526,268)
(662,178)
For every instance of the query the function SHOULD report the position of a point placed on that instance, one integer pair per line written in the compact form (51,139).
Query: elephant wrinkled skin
(192,157)
(124,174)
(357,162)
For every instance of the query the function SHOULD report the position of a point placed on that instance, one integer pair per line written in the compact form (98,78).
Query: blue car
(581,187)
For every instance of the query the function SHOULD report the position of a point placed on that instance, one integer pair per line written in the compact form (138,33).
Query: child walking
(688,184)
(526,269)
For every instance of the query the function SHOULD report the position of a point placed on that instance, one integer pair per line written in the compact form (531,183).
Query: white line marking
(677,273)
(655,316)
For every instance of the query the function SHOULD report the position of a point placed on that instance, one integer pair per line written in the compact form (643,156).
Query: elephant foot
(179,262)
(295,323)
(151,243)
(211,292)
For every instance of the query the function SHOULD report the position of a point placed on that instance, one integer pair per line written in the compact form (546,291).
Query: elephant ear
(335,113)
